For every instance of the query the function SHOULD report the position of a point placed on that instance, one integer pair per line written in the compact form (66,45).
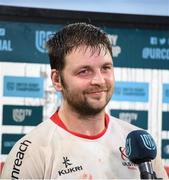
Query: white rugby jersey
(50,151)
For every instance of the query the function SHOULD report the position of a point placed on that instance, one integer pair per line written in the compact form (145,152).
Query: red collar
(56,119)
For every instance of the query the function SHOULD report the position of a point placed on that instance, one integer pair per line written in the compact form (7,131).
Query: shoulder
(121,125)
(30,149)
(39,136)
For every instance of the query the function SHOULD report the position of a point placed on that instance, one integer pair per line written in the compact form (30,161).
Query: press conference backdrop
(141,61)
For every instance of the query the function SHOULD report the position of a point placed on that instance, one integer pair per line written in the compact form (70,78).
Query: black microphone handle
(146,170)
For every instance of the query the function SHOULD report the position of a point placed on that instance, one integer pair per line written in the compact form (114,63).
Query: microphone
(141,149)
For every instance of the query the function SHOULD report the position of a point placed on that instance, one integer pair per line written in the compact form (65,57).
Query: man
(79,141)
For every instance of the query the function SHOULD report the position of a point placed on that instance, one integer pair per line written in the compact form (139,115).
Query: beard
(79,102)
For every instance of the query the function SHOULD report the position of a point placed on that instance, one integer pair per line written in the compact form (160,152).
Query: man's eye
(83,72)
(107,67)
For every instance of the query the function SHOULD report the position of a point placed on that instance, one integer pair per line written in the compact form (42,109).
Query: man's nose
(98,79)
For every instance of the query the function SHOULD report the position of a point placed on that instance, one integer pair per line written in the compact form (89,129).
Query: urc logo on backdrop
(20,114)
(41,38)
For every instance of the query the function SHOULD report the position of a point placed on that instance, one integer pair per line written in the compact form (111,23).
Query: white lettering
(5,45)
(155,53)
(2,32)
(115,49)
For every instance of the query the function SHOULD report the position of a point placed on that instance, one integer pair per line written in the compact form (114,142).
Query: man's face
(87,80)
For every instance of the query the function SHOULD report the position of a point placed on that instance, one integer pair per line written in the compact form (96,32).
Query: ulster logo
(125,161)
(123,153)
(41,38)
(69,168)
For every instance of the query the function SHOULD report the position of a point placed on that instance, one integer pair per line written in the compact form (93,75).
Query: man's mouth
(96,92)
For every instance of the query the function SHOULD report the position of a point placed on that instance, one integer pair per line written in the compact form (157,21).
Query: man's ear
(55,77)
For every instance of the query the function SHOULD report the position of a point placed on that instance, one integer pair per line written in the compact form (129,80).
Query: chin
(97,107)
(98,104)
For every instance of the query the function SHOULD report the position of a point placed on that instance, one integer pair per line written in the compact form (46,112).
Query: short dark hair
(72,36)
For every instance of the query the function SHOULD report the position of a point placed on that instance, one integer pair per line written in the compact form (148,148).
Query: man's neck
(87,125)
